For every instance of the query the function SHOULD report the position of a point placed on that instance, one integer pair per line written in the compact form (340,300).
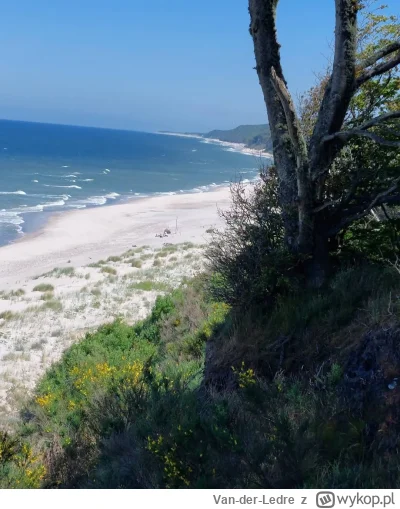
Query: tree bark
(267,52)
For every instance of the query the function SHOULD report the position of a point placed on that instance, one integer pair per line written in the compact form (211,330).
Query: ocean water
(46,168)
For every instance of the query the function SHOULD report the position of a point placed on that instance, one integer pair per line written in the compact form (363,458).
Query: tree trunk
(263,31)
(317,268)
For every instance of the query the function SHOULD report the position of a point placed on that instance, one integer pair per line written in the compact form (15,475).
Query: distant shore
(231,146)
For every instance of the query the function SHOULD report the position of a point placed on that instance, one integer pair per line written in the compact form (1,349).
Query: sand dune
(86,268)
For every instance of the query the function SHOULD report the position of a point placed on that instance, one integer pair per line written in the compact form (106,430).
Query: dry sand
(85,287)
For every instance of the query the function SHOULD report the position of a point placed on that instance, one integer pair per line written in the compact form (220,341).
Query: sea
(48,168)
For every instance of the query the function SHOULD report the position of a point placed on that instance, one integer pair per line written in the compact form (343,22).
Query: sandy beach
(87,267)
(230,146)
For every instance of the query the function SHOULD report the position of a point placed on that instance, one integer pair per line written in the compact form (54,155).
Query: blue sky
(149,65)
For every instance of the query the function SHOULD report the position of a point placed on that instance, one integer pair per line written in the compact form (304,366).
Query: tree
(309,157)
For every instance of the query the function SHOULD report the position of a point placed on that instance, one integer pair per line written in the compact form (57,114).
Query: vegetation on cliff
(279,367)
(253,136)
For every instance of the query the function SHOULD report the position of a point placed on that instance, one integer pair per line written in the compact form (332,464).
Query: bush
(43,287)
(109,270)
(248,259)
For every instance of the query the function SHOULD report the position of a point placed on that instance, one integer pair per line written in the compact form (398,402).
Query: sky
(150,65)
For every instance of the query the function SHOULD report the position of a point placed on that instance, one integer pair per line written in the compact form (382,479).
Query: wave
(10,217)
(66,187)
(13,192)
(86,180)
(94,200)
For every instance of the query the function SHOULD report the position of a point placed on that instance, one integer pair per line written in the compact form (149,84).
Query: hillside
(253,136)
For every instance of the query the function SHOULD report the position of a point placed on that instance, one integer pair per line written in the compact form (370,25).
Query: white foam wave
(65,187)
(13,192)
(10,217)
(94,200)
(86,180)
(35,181)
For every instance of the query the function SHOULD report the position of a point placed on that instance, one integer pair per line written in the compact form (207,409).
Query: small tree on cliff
(315,212)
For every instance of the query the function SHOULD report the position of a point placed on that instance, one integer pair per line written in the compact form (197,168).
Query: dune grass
(43,287)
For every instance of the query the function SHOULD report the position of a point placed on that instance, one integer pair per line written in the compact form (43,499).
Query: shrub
(7,315)
(13,293)
(114,259)
(20,467)
(148,286)
(248,259)
(43,287)
(162,254)
(109,270)
(53,305)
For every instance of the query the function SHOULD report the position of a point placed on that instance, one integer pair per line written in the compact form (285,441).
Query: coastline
(232,147)
(77,237)
(87,267)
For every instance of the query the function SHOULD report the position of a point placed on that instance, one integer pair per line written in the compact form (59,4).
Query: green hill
(253,136)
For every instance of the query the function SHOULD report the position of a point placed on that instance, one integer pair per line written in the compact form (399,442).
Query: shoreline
(78,237)
(236,147)
(87,267)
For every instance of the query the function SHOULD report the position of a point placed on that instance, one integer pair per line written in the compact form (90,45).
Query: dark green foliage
(248,258)
(253,136)
(380,240)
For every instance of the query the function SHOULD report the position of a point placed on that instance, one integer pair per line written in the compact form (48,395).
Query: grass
(53,305)
(14,293)
(137,264)
(148,286)
(43,287)
(162,254)
(97,265)
(16,357)
(114,259)
(138,406)
(188,245)
(7,315)
(38,345)
(59,272)
(47,296)
(109,270)
(157,263)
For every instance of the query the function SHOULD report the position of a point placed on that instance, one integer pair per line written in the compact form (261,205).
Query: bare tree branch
(292,120)
(389,197)
(340,88)
(300,151)
(362,130)
(345,136)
